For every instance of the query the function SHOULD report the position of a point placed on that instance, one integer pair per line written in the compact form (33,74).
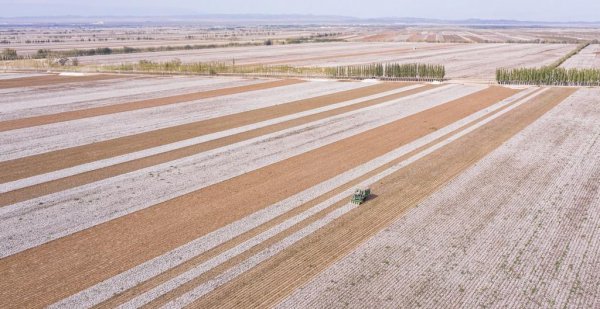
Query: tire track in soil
(70,182)
(69,157)
(271,281)
(22,123)
(85,258)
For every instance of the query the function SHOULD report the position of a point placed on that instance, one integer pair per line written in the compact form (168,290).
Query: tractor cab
(360,195)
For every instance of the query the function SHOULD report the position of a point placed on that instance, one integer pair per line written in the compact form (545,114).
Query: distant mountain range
(254,19)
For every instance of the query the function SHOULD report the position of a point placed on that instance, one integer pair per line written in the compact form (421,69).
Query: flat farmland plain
(155,191)
(27,40)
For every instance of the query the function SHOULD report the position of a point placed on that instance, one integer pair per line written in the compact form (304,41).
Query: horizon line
(304,15)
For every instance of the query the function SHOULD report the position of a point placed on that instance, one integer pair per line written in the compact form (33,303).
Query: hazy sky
(551,10)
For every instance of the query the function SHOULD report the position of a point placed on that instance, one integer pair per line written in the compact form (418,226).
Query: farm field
(589,57)
(463,34)
(280,54)
(527,237)
(463,61)
(138,190)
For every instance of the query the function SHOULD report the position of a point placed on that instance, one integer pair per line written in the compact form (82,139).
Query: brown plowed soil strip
(130,106)
(271,281)
(111,171)
(48,80)
(453,38)
(380,37)
(161,301)
(64,158)
(416,38)
(93,255)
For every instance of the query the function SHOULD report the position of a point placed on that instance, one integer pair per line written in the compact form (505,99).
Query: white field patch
(21,183)
(419,51)
(250,55)
(476,61)
(518,229)
(128,279)
(38,102)
(588,58)
(481,62)
(30,141)
(483,65)
(79,208)
(96,90)
(416,53)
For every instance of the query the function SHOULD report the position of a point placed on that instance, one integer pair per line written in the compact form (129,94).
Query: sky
(530,10)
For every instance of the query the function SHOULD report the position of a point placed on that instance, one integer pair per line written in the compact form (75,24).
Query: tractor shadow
(371,197)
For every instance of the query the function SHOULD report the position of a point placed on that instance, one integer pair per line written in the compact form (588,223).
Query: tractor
(360,195)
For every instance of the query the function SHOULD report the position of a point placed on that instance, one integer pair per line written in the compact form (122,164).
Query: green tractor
(360,196)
